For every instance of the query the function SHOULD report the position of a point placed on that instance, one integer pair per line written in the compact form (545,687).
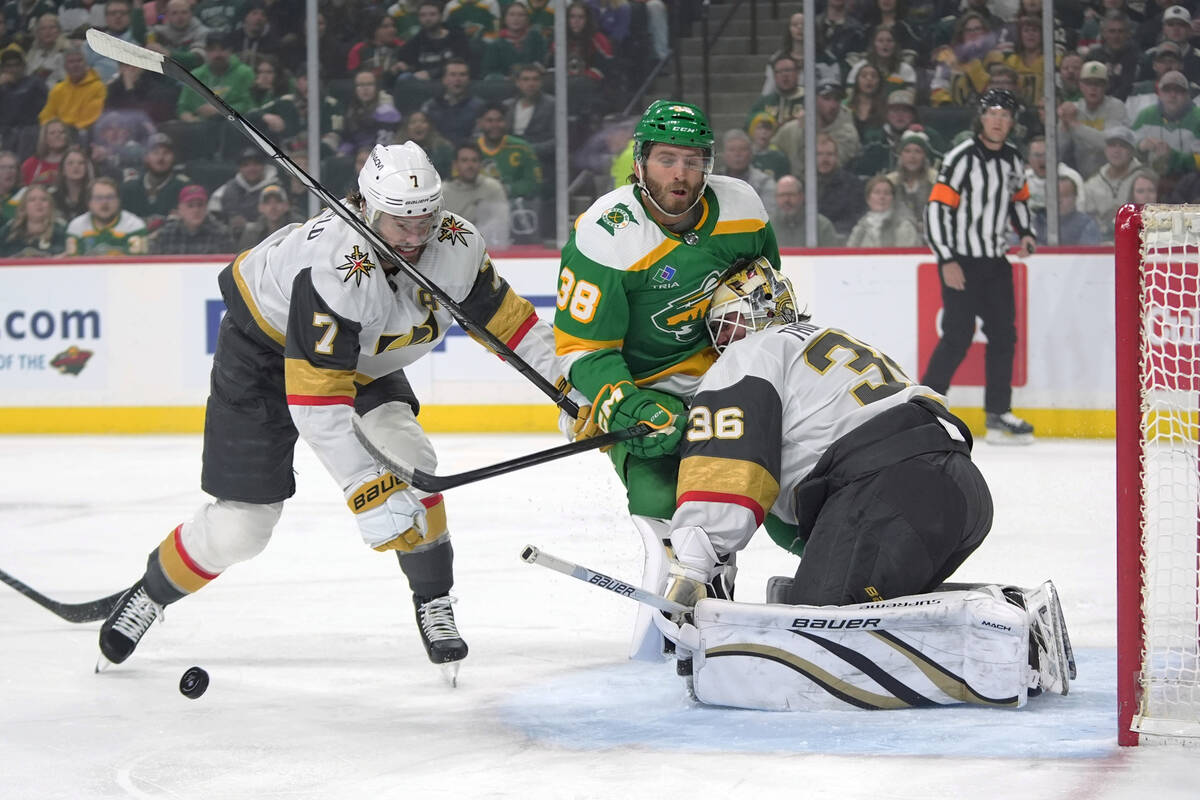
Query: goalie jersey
(765,414)
(319,296)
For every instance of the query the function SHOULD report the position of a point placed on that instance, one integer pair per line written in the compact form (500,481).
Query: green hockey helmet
(672,122)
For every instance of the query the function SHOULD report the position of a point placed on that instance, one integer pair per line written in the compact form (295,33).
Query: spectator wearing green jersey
(225,74)
(1168,132)
(105,229)
(510,160)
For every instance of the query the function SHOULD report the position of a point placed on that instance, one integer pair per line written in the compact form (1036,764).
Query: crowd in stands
(109,159)
(101,158)
(897,83)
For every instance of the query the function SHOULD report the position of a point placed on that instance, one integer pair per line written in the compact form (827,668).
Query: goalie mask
(751,296)
(400,180)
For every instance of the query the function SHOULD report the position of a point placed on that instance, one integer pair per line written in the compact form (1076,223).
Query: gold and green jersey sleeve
(632,296)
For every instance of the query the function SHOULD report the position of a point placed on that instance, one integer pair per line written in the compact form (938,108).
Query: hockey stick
(71,612)
(427,482)
(535,556)
(137,56)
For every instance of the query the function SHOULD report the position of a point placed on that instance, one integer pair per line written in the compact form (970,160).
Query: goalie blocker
(987,646)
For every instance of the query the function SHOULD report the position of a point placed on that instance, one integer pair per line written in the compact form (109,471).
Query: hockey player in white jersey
(868,477)
(319,328)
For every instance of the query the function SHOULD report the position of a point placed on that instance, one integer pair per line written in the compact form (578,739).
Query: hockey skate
(1008,428)
(443,644)
(126,625)
(1050,651)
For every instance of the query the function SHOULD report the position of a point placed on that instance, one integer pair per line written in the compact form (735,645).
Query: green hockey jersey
(633,296)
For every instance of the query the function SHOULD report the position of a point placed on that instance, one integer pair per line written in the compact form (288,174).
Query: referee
(979,191)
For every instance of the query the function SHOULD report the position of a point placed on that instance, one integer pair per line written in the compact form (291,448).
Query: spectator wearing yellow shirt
(78,98)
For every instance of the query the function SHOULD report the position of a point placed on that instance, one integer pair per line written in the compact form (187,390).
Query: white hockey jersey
(763,416)
(341,320)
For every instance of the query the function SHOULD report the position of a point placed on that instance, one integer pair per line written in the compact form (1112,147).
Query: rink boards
(109,346)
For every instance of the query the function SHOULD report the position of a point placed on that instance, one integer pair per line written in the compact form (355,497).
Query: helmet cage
(750,297)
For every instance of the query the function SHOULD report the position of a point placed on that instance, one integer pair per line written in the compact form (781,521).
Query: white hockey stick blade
(126,52)
(533,555)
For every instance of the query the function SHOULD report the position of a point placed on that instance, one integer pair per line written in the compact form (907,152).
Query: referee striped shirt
(978,193)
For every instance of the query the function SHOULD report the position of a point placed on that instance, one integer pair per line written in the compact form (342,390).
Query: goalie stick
(137,56)
(71,612)
(533,555)
(427,482)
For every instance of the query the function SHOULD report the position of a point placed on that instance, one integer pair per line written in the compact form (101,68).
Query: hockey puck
(193,683)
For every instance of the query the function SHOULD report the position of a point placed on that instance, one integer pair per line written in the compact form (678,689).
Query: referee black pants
(989,296)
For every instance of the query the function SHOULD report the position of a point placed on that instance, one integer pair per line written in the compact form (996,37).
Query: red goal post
(1157,289)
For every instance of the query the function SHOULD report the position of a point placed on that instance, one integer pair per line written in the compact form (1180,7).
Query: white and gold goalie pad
(933,649)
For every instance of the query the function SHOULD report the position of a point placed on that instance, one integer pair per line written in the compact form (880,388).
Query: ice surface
(320,687)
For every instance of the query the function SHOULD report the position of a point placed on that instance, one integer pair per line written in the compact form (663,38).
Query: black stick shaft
(427,482)
(72,612)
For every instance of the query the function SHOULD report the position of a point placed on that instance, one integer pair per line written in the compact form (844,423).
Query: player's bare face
(406,234)
(675,176)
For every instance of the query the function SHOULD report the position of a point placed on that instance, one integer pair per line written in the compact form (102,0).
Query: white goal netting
(1170,433)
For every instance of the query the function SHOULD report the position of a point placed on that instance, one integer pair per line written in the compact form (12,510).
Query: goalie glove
(623,405)
(390,516)
(696,572)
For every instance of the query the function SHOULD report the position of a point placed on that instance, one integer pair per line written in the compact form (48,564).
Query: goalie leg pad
(922,650)
(647,644)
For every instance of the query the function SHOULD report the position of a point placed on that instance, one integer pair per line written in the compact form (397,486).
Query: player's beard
(668,202)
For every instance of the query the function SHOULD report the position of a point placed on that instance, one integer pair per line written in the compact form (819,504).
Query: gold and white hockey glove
(696,572)
(390,516)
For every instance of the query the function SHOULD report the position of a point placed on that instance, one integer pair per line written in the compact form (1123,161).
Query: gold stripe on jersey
(248,299)
(302,378)
(696,364)
(738,226)
(565,344)
(659,252)
(514,310)
(708,475)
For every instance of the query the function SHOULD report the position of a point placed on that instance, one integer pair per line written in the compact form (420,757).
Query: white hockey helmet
(400,180)
(751,296)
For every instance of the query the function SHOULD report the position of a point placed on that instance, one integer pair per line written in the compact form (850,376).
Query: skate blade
(450,673)
(1000,437)
(102,665)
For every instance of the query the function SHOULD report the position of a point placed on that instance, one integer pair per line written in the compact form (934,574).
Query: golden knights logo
(452,230)
(358,265)
(422,333)
(683,317)
(616,218)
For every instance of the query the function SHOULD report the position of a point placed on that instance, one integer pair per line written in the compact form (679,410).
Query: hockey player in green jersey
(636,280)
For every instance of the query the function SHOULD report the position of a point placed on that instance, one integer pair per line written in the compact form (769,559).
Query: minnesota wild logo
(358,265)
(683,317)
(616,218)
(452,230)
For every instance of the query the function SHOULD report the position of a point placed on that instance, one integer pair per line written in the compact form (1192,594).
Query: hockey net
(1158,473)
